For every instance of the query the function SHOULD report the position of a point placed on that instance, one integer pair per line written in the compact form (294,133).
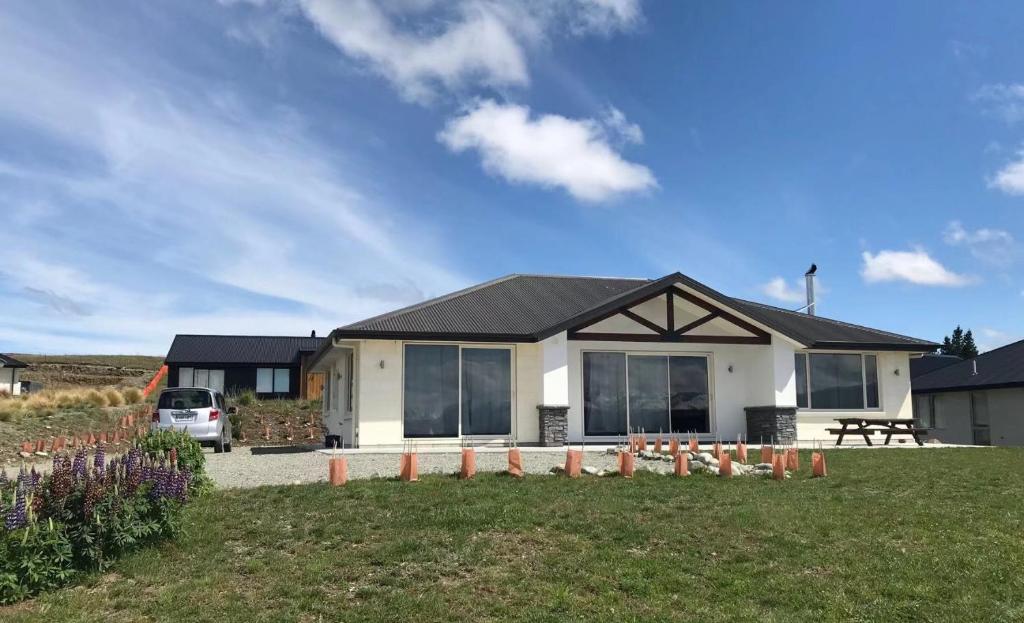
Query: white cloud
(621,128)
(549,150)
(994,338)
(912,266)
(994,246)
(419,45)
(1005,101)
(780,290)
(1010,179)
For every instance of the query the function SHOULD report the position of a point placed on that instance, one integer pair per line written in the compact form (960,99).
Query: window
(451,391)
(185,377)
(264,380)
(924,411)
(838,381)
(979,419)
(281,380)
(666,393)
(184,399)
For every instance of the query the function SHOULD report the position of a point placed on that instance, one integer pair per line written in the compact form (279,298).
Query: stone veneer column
(771,422)
(554,425)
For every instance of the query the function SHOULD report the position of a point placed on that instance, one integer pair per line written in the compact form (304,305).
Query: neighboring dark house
(930,363)
(10,370)
(975,401)
(270,366)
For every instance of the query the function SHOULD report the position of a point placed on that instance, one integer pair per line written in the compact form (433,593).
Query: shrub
(114,398)
(83,516)
(69,399)
(95,398)
(246,398)
(132,395)
(236,424)
(157,444)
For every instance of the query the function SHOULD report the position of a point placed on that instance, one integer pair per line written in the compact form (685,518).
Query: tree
(960,344)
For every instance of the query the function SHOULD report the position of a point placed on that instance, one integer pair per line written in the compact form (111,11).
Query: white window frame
(512,411)
(712,417)
(264,370)
(863,381)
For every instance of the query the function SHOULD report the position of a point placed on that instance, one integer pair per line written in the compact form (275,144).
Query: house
(270,366)
(975,401)
(546,359)
(927,363)
(10,375)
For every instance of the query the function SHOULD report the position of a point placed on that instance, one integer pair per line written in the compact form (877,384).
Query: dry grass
(95,398)
(132,395)
(114,397)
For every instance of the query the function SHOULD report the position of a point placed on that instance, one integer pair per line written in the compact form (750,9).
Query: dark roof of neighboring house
(11,362)
(1002,367)
(240,349)
(929,363)
(529,308)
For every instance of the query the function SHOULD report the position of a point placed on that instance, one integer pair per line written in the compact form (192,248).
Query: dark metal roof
(929,363)
(529,308)
(11,362)
(240,349)
(1002,367)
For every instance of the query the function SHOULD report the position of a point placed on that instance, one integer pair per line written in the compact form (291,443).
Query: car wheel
(218,446)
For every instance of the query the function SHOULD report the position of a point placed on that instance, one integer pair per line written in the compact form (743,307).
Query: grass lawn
(904,535)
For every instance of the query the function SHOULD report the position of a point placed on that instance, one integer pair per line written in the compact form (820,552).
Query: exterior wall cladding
(240,378)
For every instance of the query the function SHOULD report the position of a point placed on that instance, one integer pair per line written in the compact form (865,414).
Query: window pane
(264,380)
(923,411)
(281,380)
(871,376)
(648,393)
(201,378)
(184,377)
(486,391)
(801,380)
(604,393)
(184,399)
(431,388)
(979,408)
(836,382)
(690,400)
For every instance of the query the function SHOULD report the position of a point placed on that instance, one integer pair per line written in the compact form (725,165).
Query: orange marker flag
(741,452)
(468,463)
(694,446)
(818,469)
(792,459)
(725,465)
(682,467)
(778,467)
(627,464)
(27,446)
(40,445)
(717,450)
(337,469)
(515,462)
(573,463)
(766,453)
(407,467)
(657,444)
(673,446)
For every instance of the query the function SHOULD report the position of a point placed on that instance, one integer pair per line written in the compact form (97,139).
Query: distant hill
(61,371)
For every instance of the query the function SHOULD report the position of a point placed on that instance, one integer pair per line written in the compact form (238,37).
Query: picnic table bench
(865,427)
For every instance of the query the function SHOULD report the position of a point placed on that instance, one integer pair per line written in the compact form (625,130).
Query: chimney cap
(810,271)
(312,333)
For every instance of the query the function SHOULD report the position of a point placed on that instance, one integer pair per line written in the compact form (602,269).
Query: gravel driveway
(242,468)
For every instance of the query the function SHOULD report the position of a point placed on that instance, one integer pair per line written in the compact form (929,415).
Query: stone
(588,469)
(696,467)
(767,466)
(713,471)
(554,425)
(558,469)
(705,457)
(771,422)
(25,455)
(42,454)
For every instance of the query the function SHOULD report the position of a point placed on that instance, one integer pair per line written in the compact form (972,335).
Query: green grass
(909,535)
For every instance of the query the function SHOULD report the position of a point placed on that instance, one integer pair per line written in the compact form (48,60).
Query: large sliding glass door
(622,392)
(452,391)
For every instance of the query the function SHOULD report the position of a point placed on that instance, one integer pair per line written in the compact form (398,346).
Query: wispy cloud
(1005,101)
(914,266)
(160,202)
(780,290)
(425,45)
(992,246)
(994,338)
(1010,179)
(547,150)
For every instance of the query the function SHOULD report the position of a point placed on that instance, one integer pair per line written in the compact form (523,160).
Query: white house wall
(10,381)
(952,417)
(893,395)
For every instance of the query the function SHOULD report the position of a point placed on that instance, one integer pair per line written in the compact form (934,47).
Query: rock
(587,469)
(668,458)
(713,471)
(705,458)
(42,454)
(604,472)
(612,451)
(558,469)
(767,466)
(739,469)
(696,467)
(25,455)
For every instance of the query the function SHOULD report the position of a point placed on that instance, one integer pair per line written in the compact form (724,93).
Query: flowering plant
(84,515)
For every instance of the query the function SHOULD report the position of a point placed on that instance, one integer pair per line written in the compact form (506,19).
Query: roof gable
(529,308)
(10,362)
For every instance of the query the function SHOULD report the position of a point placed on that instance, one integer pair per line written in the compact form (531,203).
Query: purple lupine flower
(17,517)
(100,460)
(23,478)
(35,476)
(78,468)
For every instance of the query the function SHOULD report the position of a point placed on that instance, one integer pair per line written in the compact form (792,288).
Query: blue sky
(277,166)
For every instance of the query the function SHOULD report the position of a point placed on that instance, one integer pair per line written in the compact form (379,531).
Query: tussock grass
(95,398)
(132,395)
(114,397)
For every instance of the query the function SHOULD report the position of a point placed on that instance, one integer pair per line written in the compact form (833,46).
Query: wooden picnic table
(865,427)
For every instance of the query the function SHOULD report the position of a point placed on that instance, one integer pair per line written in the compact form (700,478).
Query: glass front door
(979,419)
(624,392)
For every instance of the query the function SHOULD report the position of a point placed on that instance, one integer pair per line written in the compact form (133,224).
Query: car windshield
(185,399)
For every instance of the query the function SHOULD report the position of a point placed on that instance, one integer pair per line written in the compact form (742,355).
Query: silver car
(199,411)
